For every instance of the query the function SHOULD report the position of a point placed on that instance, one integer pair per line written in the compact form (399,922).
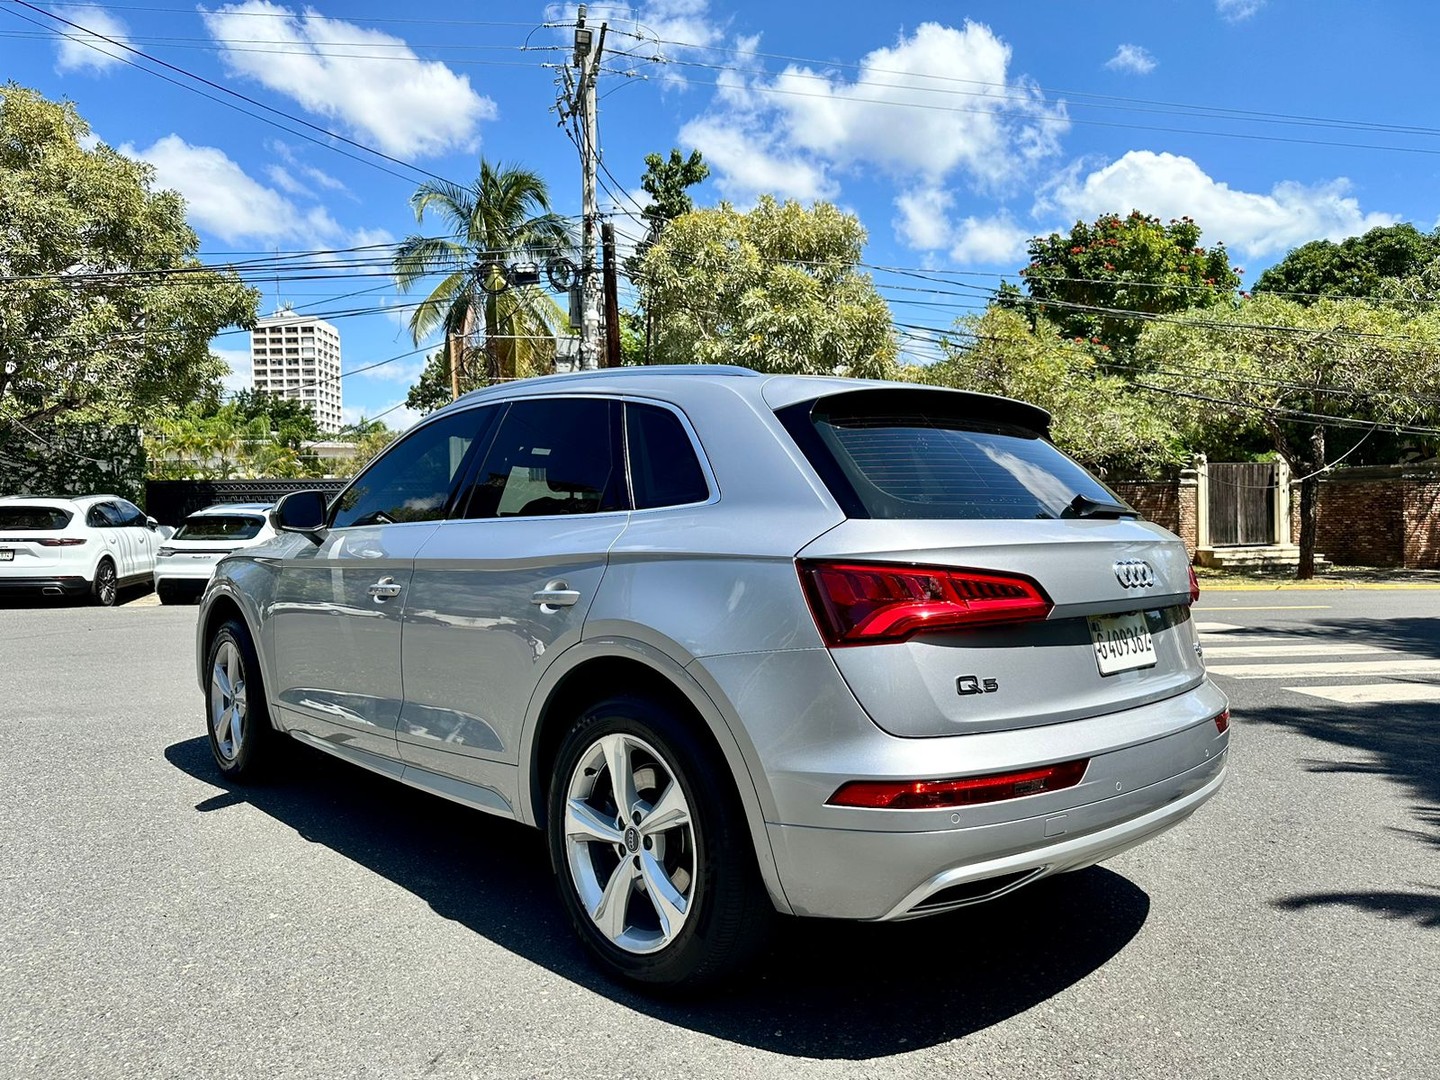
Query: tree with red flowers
(1100,281)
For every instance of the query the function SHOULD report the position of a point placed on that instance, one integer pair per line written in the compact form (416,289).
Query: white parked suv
(186,561)
(94,545)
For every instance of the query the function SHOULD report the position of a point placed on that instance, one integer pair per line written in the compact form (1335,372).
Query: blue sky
(954,131)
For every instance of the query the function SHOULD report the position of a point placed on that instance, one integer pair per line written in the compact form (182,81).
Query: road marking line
(1325,670)
(1372,693)
(1270,607)
(1215,627)
(1307,648)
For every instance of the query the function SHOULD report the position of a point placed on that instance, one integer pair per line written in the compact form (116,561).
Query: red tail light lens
(1222,721)
(967,791)
(61,541)
(1194,587)
(875,603)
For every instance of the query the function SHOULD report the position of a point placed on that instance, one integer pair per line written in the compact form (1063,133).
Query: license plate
(7,554)
(1122,642)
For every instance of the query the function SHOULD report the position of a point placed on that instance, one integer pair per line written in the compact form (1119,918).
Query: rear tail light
(61,541)
(875,603)
(1194,587)
(1222,721)
(966,791)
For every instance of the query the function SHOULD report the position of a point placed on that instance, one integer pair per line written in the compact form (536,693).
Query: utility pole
(612,298)
(587,59)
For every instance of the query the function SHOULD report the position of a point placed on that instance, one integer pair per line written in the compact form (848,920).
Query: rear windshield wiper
(1082,506)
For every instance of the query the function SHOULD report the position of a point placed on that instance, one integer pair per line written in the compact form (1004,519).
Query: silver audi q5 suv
(737,644)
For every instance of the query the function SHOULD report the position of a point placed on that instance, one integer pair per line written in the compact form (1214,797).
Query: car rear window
(33,518)
(220,527)
(917,455)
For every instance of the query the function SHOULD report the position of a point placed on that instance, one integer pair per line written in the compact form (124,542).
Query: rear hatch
(33,538)
(983,581)
(210,537)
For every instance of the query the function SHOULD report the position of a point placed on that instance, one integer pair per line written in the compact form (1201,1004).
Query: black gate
(1242,504)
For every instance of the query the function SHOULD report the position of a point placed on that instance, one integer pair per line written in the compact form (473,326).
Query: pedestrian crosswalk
(1315,665)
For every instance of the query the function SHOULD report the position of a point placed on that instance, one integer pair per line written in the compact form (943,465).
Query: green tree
(105,311)
(1358,266)
(1298,372)
(1123,264)
(774,289)
(1097,417)
(290,420)
(503,216)
(667,181)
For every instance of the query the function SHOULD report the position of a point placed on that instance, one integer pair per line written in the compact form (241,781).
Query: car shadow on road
(825,990)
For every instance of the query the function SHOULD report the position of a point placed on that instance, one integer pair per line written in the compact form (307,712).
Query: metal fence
(171,501)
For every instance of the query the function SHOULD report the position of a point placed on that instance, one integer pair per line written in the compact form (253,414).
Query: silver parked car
(737,644)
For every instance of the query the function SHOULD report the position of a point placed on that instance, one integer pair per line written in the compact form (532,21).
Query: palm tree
(502,217)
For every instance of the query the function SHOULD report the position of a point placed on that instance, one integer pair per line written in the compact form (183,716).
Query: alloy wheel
(229,706)
(630,843)
(105,588)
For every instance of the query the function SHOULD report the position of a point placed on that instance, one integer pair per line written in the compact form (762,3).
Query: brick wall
(1171,504)
(1377,516)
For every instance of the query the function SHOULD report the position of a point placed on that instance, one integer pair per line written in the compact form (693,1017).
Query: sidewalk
(1334,577)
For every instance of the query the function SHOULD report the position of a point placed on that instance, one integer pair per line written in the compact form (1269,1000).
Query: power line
(225,90)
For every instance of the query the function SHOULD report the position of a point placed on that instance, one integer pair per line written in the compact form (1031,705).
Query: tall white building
(298,356)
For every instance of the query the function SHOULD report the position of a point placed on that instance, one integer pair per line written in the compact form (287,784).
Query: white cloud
(924,218)
(653,30)
(939,102)
(988,241)
(79,51)
(1238,10)
(749,162)
(281,178)
(1251,223)
(409,107)
(222,199)
(1134,59)
(238,360)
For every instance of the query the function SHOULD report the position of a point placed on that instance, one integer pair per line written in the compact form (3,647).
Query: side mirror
(151,524)
(302,512)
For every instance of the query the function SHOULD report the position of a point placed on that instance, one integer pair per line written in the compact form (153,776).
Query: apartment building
(298,356)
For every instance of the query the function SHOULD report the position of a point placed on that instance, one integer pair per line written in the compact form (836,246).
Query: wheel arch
(590,672)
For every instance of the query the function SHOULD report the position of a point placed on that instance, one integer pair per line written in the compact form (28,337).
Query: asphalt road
(154,922)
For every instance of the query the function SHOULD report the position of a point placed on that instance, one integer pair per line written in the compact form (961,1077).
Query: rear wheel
(241,738)
(650,850)
(106,586)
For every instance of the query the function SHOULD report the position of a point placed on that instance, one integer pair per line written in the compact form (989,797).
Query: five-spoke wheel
(237,719)
(648,841)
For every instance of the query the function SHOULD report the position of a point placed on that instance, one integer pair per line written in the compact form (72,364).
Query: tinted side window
(556,456)
(664,470)
(412,480)
(130,514)
(103,516)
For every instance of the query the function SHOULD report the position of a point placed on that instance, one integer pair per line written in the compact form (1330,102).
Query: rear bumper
(66,585)
(190,571)
(842,873)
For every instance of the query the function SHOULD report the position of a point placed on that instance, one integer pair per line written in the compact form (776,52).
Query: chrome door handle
(556,597)
(384,588)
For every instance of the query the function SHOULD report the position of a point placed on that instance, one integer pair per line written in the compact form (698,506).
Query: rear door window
(664,468)
(550,457)
(915,454)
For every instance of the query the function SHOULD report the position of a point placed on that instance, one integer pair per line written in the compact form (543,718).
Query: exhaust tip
(52,590)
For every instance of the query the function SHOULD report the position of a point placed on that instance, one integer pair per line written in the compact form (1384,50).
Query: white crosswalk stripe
(1307,648)
(1373,693)
(1324,669)
(1294,657)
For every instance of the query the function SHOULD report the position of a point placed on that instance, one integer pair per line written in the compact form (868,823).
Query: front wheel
(238,720)
(650,850)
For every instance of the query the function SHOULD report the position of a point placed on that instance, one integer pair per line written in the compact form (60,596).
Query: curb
(1317,586)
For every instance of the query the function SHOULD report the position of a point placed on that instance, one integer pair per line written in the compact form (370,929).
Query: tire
(242,741)
(684,841)
(105,589)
